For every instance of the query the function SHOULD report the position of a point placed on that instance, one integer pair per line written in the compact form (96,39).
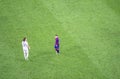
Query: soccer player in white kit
(25,48)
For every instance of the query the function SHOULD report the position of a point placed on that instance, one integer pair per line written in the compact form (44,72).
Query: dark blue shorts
(56,46)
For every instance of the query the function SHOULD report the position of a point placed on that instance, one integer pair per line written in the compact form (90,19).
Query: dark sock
(57,51)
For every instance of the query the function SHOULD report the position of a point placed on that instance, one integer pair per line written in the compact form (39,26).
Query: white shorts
(25,50)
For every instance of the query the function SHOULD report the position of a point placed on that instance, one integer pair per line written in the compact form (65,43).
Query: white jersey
(25,45)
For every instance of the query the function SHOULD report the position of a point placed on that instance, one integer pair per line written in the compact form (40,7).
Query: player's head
(56,36)
(24,39)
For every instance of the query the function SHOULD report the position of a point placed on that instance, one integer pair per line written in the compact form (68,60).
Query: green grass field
(89,32)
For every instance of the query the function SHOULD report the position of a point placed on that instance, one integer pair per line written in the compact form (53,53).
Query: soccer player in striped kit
(56,44)
(25,48)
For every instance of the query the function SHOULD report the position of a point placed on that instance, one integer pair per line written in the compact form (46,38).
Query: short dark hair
(24,38)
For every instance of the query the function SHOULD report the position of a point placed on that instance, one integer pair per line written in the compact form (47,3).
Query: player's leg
(25,54)
(55,49)
(58,49)
(27,51)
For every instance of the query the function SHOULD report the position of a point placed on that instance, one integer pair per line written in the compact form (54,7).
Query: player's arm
(28,45)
